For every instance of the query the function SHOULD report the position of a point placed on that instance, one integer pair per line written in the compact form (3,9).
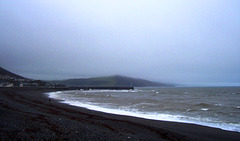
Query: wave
(204,109)
(127,111)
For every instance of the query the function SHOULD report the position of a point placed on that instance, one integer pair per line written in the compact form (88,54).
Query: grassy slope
(109,81)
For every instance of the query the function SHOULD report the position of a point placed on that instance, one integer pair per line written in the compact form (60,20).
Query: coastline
(27,114)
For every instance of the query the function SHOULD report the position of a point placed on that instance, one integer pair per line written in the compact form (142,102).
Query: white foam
(204,109)
(218,104)
(124,110)
(157,116)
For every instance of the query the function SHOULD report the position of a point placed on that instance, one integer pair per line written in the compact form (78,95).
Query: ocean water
(217,107)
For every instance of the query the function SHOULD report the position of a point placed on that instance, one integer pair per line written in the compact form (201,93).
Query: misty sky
(178,41)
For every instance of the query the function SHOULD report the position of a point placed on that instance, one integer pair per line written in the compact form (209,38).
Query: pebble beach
(28,114)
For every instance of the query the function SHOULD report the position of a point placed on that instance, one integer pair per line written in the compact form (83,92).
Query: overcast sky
(178,41)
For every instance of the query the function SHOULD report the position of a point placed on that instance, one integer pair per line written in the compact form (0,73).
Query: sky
(177,41)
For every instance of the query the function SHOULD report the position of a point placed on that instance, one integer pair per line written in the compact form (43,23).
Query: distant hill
(4,72)
(110,81)
(9,79)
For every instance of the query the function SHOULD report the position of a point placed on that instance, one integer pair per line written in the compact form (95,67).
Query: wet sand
(27,114)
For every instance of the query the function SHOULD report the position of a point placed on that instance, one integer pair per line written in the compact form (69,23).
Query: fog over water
(179,41)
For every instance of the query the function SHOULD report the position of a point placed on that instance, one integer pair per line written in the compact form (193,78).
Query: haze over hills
(110,81)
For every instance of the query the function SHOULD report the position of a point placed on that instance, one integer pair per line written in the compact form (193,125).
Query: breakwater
(72,88)
(101,88)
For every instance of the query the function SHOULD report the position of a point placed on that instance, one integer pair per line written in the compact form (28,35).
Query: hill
(110,81)
(9,79)
(4,72)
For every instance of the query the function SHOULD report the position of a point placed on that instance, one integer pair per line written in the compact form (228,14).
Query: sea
(217,107)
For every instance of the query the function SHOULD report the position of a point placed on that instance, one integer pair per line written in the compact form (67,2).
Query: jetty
(100,88)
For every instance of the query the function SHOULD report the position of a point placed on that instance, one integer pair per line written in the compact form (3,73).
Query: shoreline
(162,117)
(27,114)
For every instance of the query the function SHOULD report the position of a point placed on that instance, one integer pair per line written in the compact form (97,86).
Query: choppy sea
(217,107)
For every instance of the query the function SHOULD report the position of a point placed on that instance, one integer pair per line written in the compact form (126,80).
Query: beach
(28,114)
